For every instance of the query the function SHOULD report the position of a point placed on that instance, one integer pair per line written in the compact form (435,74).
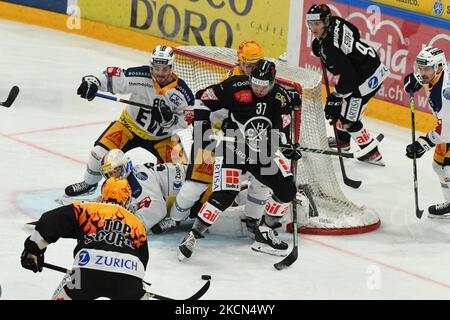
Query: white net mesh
(325,209)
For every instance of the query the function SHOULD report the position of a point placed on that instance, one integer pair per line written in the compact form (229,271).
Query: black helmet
(264,73)
(319,12)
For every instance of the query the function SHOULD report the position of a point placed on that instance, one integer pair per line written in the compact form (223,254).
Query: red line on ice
(386,265)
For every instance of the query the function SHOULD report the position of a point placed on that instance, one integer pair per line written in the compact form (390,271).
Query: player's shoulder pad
(186,91)
(237,81)
(142,71)
(338,24)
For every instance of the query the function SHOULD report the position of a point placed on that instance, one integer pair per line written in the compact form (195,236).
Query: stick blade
(419,213)
(11,97)
(352,183)
(289,260)
(200,292)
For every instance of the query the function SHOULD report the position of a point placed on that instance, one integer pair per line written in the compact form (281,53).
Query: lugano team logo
(257,132)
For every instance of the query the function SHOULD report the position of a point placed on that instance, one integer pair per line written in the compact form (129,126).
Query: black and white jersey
(344,54)
(252,117)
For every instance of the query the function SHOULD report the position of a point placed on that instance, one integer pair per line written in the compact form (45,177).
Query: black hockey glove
(419,147)
(411,84)
(164,116)
(316,47)
(88,87)
(333,107)
(296,98)
(291,151)
(32,257)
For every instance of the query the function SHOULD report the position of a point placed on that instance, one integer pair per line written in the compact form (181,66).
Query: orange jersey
(109,237)
(236,71)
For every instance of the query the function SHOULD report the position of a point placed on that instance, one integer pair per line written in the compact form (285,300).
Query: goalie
(154,188)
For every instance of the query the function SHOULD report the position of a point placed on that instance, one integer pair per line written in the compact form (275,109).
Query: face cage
(122,171)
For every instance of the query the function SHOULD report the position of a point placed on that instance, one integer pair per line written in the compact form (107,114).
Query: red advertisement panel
(397,41)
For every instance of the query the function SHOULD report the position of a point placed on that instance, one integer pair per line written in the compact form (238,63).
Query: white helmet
(162,55)
(428,57)
(116,164)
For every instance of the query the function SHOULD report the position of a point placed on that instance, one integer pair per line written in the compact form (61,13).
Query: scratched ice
(45,139)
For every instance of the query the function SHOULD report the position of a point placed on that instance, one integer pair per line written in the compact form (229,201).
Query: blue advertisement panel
(59,6)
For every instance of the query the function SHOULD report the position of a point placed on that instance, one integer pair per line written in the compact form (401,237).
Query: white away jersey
(154,188)
(137,82)
(439,99)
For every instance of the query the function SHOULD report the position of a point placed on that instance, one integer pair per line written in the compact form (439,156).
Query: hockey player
(154,187)
(337,42)
(248,53)
(200,174)
(431,71)
(255,105)
(111,254)
(156,85)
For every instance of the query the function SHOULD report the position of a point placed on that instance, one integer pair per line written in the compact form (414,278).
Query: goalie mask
(118,191)
(116,164)
(429,62)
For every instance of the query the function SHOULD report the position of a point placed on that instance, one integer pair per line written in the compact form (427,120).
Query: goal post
(324,208)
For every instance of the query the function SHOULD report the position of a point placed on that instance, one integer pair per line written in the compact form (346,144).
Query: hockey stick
(195,296)
(295,134)
(11,97)
(349,182)
(419,212)
(306,191)
(137,104)
(356,155)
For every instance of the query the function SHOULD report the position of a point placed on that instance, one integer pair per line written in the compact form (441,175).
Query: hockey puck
(206,277)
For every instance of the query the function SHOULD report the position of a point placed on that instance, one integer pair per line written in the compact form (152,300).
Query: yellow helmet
(250,52)
(117,190)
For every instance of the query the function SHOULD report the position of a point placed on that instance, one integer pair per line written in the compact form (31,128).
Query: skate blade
(445,216)
(379,163)
(30,226)
(264,248)
(181,257)
(66,200)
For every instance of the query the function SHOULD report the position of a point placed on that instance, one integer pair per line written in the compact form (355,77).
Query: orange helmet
(250,52)
(117,190)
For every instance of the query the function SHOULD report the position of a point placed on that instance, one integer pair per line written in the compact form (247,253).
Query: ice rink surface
(45,139)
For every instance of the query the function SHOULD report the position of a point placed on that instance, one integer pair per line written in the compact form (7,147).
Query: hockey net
(325,209)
